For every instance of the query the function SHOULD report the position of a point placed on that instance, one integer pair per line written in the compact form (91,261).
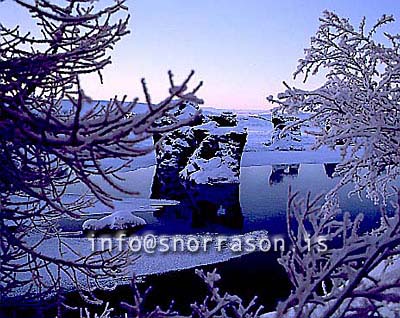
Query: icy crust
(124,215)
(261,158)
(119,220)
(147,264)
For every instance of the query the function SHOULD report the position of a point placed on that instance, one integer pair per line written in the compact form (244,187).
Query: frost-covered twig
(357,109)
(213,305)
(226,305)
(361,268)
(52,135)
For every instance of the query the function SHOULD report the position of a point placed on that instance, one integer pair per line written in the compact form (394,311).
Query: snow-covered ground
(262,158)
(149,262)
(256,153)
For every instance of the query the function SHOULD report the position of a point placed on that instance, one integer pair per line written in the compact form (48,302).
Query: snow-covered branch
(52,135)
(357,109)
(336,269)
(213,305)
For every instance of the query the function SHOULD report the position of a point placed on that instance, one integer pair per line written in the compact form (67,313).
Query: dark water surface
(258,203)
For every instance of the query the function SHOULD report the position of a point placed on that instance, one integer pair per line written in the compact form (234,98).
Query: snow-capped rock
(117,221)
(182,112)
(174,149)
(217,159)
(207,153)
(225,119)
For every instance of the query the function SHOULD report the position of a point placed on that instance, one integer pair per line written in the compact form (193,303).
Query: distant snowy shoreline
(259,127)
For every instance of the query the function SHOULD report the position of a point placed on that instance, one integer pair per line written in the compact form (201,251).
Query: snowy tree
(53,136)
(357,108)
(352,274)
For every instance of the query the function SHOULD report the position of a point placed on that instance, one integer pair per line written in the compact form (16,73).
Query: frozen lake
(258,203)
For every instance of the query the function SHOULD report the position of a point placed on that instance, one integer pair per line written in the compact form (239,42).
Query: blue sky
(241,49)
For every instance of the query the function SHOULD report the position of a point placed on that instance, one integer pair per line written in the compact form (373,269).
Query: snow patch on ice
(147,264)
(116,221)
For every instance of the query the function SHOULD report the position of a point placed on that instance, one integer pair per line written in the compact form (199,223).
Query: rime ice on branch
(358,110)
(52,136)
(358,106)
